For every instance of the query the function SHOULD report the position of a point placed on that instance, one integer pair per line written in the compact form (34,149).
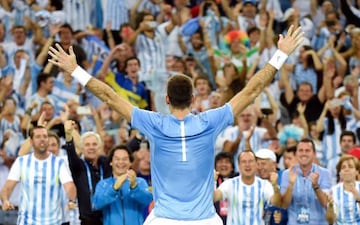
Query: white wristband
(278,59)
(81,75)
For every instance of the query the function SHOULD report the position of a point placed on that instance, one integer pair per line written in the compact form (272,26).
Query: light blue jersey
(182,160)
(346,208)
(41,181)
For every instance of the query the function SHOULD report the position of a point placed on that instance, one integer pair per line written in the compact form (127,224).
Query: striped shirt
(246,202)
(40,200)
(346,208)
(331,144)
(256,140)
(148,6)
(117,11)
(64,93)
(77,13)
(151,53)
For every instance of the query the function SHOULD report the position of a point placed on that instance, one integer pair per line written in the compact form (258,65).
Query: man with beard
(41,175)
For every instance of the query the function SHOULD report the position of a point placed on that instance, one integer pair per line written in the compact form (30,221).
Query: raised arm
(68,63)
(262,78)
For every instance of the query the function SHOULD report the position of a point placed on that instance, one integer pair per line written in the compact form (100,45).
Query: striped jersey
(346,208)
(117,11)
(41,182)
(331,144)
(64,93)
(246,202)
(77,13)
(151,53)
(256,140)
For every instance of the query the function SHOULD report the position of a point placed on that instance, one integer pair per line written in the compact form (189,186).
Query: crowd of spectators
(135,46)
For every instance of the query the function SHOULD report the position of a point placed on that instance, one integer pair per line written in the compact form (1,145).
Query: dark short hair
(291,149)
(42,77)
(67,26)
(348,133)
(120,147)
(132,58)
(179,91)
(307,140)
(37,127)
(225,155)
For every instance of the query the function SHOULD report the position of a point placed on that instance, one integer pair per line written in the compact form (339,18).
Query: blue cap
(190,27)
(253,2)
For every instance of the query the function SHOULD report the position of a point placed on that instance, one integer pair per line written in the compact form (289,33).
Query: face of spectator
(49,84)
(215,100)
(326,6)
(149,18)
(120,162)
(346,143)
(144,164)
(305,153)
(202,87)
(17,58)
(108,142)
(65,35)
(254,36)
(19,35)
(40,140)
(348,171)
(132,68)
(224,167)
(53,147)
(264,168)
(246,118)
(236,46)
(249,10)
(178,66)
(335,111)
(247,164)
(91,148)
(49,111)
(126,32)
(196,41)
(313,131)
(289,159)
(304,92)
(10,106)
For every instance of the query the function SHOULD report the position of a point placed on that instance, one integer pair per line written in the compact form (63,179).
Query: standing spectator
(347,142)
(78,13)
(40,174)
(86,171)
(123,197)
(345,197)
(303,187)
(117,13)
(182,139)
(248,193)
(224,166)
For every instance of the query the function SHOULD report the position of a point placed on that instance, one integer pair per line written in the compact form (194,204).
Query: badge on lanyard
(303,215)
(223,206)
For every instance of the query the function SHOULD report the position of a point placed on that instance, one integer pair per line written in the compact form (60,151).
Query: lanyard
(88,173)
(303,187)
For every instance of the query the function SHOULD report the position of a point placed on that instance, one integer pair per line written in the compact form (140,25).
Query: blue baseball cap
(253,2)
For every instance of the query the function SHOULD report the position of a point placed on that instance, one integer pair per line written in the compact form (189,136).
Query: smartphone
(266,111)
(83,110)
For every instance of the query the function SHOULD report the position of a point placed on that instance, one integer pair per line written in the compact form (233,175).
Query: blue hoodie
(122,207)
